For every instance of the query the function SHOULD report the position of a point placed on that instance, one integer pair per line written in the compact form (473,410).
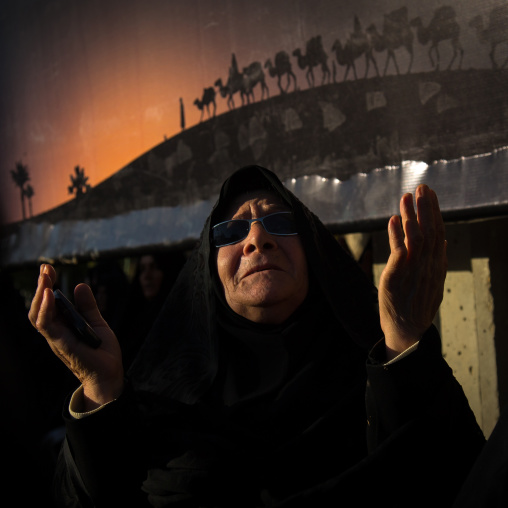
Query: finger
(434,261)
(86,304)
(46,324)
(438,220)
(45,315)
(440,242)
(413,234)
(426,219)
(432,225)
(46,279)
(396,236)
(49,271)
(398,251)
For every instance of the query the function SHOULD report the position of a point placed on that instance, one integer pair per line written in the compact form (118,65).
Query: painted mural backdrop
(120,120)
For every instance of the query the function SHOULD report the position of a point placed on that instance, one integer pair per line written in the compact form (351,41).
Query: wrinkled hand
(412,283)
(100,370)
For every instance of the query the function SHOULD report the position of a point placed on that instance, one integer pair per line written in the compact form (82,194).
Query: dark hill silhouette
(334,130)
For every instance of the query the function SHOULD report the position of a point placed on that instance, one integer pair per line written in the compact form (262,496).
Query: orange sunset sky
(97,83)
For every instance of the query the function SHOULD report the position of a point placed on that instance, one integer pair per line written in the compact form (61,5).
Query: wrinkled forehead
(254,203)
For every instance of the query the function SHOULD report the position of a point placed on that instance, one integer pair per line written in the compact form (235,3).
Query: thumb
(86,304)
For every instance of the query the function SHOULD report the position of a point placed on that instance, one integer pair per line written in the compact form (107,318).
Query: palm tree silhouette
(20,176)
(29,192)
(79,182)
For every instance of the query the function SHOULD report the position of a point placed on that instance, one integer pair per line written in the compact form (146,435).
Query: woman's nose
(258,239)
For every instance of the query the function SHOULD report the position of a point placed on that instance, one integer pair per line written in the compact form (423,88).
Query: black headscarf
(180,358)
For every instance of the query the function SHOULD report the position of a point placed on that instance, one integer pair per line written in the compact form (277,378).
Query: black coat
(422,437)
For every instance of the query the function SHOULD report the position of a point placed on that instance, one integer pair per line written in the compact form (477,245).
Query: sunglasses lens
(230,232)
(235,230)
(280,224)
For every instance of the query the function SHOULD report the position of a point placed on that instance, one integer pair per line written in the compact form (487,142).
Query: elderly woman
(275,374)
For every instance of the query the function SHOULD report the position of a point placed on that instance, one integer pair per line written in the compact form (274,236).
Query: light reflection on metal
(413,173)
(468,188)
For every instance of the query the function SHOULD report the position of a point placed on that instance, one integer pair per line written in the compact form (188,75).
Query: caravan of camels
(398,32)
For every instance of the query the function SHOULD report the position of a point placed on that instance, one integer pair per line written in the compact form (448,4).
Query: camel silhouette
(207,99)
(229,89)
(357,44)
(233,85)
(252,75)
(396,33)
(282,66)
(443,26)
(243,82)
(495,33)
(315,55)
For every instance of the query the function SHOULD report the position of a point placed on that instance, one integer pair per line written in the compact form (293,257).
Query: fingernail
(421,190)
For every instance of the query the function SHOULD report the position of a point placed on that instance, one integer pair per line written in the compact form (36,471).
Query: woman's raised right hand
(100,371)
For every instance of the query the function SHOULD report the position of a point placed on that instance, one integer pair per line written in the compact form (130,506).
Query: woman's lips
(260,268)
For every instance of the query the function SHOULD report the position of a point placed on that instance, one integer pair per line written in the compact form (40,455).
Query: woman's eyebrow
(273,208)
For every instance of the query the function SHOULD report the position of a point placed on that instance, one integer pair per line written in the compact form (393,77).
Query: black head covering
(180,358)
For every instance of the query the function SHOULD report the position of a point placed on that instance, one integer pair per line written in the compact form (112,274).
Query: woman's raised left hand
(412,283)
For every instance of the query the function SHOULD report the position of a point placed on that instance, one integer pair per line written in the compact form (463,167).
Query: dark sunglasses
(235,230)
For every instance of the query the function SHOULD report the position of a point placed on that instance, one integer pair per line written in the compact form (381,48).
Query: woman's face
(265,277)
(150,277)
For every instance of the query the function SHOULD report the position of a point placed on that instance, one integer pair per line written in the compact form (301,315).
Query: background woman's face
(150,277)
(265,277)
